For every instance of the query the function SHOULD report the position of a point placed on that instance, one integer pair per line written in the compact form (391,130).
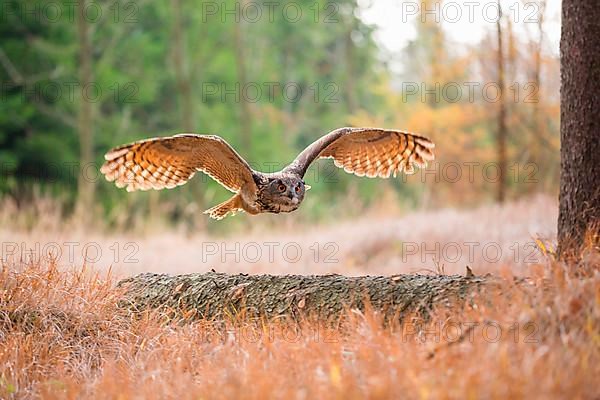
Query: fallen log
(217,296)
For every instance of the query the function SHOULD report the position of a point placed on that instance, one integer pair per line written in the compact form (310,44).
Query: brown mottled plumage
(164,163)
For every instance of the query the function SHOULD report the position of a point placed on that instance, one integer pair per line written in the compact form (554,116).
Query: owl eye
(297,189)
(281,187)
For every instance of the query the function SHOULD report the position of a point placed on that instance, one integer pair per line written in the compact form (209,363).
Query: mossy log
(216,296)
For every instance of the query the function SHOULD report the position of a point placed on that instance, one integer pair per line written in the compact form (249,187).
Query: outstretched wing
(167,162)
(368,152)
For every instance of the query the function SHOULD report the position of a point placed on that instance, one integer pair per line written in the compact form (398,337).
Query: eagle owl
(167,162)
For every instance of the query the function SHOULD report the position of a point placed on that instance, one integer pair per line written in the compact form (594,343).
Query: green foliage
(299,67)
(313,75)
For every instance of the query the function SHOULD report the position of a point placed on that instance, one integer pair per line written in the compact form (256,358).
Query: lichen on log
(216,296)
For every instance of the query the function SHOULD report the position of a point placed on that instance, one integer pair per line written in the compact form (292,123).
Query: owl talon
(221,210)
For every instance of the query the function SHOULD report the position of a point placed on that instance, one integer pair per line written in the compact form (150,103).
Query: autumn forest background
(439,285)
(270,80)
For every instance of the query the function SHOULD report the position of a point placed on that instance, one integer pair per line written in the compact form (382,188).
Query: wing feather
(370,152)
(168,162)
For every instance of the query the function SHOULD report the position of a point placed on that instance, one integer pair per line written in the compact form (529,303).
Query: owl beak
(307,187)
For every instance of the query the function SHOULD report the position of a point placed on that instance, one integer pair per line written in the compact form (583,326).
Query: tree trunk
(501,134)
(183,78)
(184,84)
(350,87)
(85,128)
(240,63)
(217,295)
(579,199)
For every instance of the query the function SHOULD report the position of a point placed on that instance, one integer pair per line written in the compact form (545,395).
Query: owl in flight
(167,162)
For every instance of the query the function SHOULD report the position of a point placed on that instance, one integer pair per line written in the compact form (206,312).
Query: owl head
(285,191)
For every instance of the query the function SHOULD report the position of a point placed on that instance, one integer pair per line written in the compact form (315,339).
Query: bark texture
(217,296)
(579,199)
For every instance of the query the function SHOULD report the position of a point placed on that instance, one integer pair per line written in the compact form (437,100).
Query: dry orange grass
(62,336)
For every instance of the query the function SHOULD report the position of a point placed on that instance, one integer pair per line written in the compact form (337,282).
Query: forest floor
(62,334)
(487,239)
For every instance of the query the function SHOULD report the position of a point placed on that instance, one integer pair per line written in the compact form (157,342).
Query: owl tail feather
(220,211)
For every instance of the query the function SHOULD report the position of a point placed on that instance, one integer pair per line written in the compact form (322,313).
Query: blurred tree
(501,132)
(85,125)
(182,74)
(245,111)
(536,79)
(37,127)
